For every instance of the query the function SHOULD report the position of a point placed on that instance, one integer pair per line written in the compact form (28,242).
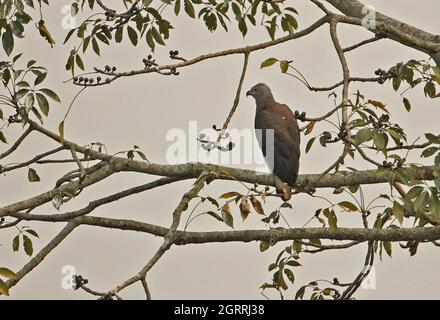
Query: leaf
(132,35)
(177,7)
(95,46)
(293,263)
(257,205)
(189,8)
(242,26)
(215,215)
(398,211)
(284,66)
(363,136)
(429,152)
(3,138)
(378,104)
(268,62)
(43,103)
(229,195)
(27,244)
(434,207)
(227,216)
(280,280)
(119,34)
(347,205)
(5,272)
(16,243)
(79,62)
(388,248)
(264,246)
(33,176)
(421,201)
(309,127)
(413,192)
(4,288)
(210,20)
(157,37)
(332,220)
(8,40)
(61,131)
(290,275)
(309,144)
(245,208)
(51,94)
(407,104)
(228,219)
(32,232)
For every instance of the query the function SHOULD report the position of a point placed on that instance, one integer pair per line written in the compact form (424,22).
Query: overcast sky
(142,110)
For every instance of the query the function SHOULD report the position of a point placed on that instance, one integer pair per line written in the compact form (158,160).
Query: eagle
(286,137)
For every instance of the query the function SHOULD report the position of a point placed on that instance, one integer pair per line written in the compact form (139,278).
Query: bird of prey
(286,137)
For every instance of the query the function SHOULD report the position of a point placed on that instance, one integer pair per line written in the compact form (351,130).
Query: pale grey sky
(141,110)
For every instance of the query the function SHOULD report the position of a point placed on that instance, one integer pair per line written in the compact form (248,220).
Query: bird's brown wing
(286,140)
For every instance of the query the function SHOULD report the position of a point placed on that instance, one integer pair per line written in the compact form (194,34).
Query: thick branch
(272,235)
(392,28)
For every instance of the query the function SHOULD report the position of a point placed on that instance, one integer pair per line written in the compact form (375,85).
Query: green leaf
(33,176)
(398,211)
(268,62)
(189,8)
(413,192)
(242,26)
(215,215)
(5,272)
(434,207)
(332,220)
(284,66)
(264,246)
(229,195)
(347,205)
(388,247)
(293,263)
(16,243)
(432,138)
(79,62)
(177,7)
(27,244)
(421,201)
(228,219)
(51,94)
(210,20)
(132,34)
(3,138)
(43,103)
(290,275)
(4,288)
(407,104)
(429,152)
(309,144)
(363,136)
(8,40)
(95,46)
(157,37)
(119,34)
(32,232)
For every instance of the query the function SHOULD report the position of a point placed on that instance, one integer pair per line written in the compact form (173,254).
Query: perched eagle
(286,136)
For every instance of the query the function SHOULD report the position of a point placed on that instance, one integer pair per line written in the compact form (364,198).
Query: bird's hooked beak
(249,93)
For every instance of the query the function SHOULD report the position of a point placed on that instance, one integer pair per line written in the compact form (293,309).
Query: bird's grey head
(260,91)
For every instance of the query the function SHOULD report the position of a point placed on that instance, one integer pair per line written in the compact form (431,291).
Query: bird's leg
(283,189)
